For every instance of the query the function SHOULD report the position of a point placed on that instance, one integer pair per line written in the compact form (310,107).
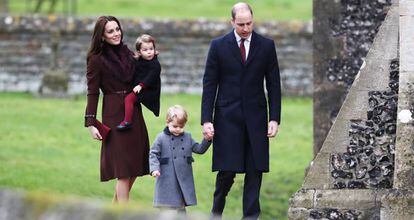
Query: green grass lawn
(182,9)
(44,147)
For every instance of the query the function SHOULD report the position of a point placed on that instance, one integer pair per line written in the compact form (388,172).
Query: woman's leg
(122,188)
(115,198)
(130,183)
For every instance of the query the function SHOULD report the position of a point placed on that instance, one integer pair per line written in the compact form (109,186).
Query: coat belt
(117,92)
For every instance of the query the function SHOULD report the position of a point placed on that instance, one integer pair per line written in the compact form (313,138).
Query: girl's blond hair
(145,38)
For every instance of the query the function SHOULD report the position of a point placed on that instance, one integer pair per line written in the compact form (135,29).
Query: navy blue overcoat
(234,100)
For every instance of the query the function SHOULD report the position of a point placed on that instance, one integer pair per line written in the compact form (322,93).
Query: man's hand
(272,129)
(156,173)
(137,89)
(208,130)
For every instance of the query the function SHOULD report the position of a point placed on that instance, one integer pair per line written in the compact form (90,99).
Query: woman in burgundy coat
(110,68)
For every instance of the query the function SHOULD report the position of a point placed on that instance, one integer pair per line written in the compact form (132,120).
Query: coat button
(173,148)
(181,139)
(175,157)
(182,148)
(184,157)
(172,139)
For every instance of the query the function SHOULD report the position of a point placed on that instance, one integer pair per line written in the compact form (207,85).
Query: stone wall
(31,45)
(343,33)
(364,169)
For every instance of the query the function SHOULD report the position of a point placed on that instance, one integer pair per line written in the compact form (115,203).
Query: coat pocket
(164,160)
(190,159)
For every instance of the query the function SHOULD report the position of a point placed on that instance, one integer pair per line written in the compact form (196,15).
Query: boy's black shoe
(124,126)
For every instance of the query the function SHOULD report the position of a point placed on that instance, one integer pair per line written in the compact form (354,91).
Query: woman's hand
(136,55)
(94,133)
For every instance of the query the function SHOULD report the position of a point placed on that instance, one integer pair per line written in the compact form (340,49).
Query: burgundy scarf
(118,59)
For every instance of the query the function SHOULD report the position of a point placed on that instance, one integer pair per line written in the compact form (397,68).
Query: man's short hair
(233,10)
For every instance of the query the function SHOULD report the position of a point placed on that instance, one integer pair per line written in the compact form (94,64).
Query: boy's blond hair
(178,112)
(145,38)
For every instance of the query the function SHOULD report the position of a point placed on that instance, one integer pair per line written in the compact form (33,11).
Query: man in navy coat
(237,66)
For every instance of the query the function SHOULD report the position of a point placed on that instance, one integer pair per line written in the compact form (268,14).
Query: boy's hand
(209,138)
(156,173)
(137,89)
(208,130)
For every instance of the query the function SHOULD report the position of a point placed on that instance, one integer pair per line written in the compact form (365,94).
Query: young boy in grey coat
(170,162)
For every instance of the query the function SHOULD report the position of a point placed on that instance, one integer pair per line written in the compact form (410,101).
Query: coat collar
(167,132)
(234,47)
(140,59)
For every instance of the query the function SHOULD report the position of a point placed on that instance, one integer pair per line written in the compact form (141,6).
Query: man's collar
(238,38)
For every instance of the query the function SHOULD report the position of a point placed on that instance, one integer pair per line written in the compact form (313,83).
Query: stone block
(318,176)
(298,213)
(303,198)
(355,98)
(337,138)
(406,7)
(345,199)
(398,204)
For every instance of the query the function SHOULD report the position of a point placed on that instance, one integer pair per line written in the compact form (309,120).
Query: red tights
(130,100)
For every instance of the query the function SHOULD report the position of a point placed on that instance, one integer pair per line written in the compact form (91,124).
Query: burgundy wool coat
(123,153)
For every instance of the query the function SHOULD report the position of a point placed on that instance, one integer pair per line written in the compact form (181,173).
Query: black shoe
(123,127)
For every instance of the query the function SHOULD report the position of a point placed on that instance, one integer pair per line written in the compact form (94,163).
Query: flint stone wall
(343,33)
(26,50)
(364,168)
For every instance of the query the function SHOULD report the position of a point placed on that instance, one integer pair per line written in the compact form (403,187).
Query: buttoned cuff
(90,120)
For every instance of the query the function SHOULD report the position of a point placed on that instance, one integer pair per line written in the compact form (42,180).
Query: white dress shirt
(246,42)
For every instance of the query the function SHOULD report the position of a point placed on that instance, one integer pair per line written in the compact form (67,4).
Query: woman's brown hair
(96,41)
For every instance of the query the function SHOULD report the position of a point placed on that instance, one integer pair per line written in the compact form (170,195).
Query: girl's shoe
(124,126)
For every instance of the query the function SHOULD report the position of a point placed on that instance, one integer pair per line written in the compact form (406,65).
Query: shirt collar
(238,38)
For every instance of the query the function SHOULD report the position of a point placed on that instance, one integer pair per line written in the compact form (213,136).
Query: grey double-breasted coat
(172,156)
